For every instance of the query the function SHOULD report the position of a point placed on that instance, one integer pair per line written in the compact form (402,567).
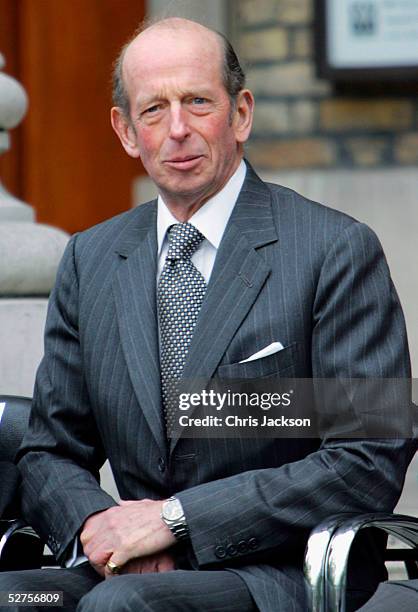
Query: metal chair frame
(328,548)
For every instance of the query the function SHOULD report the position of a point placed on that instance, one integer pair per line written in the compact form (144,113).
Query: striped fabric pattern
(288,270)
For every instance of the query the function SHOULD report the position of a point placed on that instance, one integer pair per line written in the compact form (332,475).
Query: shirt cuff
(75,556)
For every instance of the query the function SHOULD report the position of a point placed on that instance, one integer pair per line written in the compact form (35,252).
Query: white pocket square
(272,348)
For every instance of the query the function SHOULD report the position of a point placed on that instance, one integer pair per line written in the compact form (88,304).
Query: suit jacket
(287,270)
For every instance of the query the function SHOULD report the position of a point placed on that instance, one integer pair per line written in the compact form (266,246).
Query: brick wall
(300,121)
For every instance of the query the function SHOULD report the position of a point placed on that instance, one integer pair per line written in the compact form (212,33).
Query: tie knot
(183,240)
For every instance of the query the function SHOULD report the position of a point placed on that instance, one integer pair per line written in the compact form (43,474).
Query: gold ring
(112,567)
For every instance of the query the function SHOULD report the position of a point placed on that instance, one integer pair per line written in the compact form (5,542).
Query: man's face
(182,124)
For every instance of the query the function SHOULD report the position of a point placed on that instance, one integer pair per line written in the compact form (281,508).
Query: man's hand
(132,530)
(153,564)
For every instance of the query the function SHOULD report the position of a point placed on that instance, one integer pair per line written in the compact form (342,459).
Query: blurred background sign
(367,39)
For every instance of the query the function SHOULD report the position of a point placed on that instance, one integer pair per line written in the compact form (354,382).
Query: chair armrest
(405,528)
(314,566)
(7,529)
(328,578)
(15,536)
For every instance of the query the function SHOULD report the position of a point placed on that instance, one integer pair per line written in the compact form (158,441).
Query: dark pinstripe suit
(287,270)
(9,478)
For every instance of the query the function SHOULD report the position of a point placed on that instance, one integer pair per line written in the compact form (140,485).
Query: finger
(99,569)
(98,532)
(118,559)
(98,549)
(112,569)
(148,566)
(99,558)
(165,565)
(85,537)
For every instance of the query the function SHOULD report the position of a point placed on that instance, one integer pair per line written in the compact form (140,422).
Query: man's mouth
(184,162)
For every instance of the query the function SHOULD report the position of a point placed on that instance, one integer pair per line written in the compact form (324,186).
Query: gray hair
(232,74)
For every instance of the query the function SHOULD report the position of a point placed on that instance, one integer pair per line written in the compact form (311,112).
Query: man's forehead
(184,28)
(162,43)
(175,68)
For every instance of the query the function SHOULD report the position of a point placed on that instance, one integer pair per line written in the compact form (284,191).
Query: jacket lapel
(135,295)
(237,278)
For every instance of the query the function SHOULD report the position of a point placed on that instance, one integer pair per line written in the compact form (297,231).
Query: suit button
(220,552)
(242,547)
(253,543)
(231,549)
(161,465)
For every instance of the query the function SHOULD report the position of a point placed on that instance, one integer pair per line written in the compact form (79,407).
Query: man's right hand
(153,564)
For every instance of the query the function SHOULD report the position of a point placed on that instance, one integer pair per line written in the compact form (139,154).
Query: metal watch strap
(179,530)
(178,526)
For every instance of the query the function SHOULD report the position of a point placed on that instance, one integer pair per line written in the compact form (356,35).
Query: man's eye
(152,109)
(198,100)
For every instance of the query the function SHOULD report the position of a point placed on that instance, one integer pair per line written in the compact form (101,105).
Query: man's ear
(125,130)
(243,115)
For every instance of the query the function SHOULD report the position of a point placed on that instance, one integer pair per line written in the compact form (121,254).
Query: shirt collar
(211,219)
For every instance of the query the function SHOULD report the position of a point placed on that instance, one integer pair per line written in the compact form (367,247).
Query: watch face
(173,510)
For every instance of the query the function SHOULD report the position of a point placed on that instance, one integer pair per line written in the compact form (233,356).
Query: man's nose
(179,127)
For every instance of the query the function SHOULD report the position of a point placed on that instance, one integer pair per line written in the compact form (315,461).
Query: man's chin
(183,187)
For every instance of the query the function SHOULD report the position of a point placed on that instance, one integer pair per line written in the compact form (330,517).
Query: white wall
(385,199)
(212,14)
(22,324)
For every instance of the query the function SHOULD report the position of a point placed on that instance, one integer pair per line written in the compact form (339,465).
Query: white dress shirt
(211,220)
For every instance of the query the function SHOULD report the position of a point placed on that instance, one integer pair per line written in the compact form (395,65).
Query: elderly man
(221,267)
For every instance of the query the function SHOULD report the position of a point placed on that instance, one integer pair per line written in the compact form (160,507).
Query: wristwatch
(173,516)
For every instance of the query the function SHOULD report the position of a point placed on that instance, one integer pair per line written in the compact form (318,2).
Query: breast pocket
(279,363)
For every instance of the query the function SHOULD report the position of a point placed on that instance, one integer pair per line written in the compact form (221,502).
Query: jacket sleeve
(358,331)
(61,454)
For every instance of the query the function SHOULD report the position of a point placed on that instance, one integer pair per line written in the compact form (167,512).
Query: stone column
(13,106)
(29,256)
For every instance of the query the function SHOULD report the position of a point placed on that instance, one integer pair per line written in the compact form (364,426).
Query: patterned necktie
(181,290)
